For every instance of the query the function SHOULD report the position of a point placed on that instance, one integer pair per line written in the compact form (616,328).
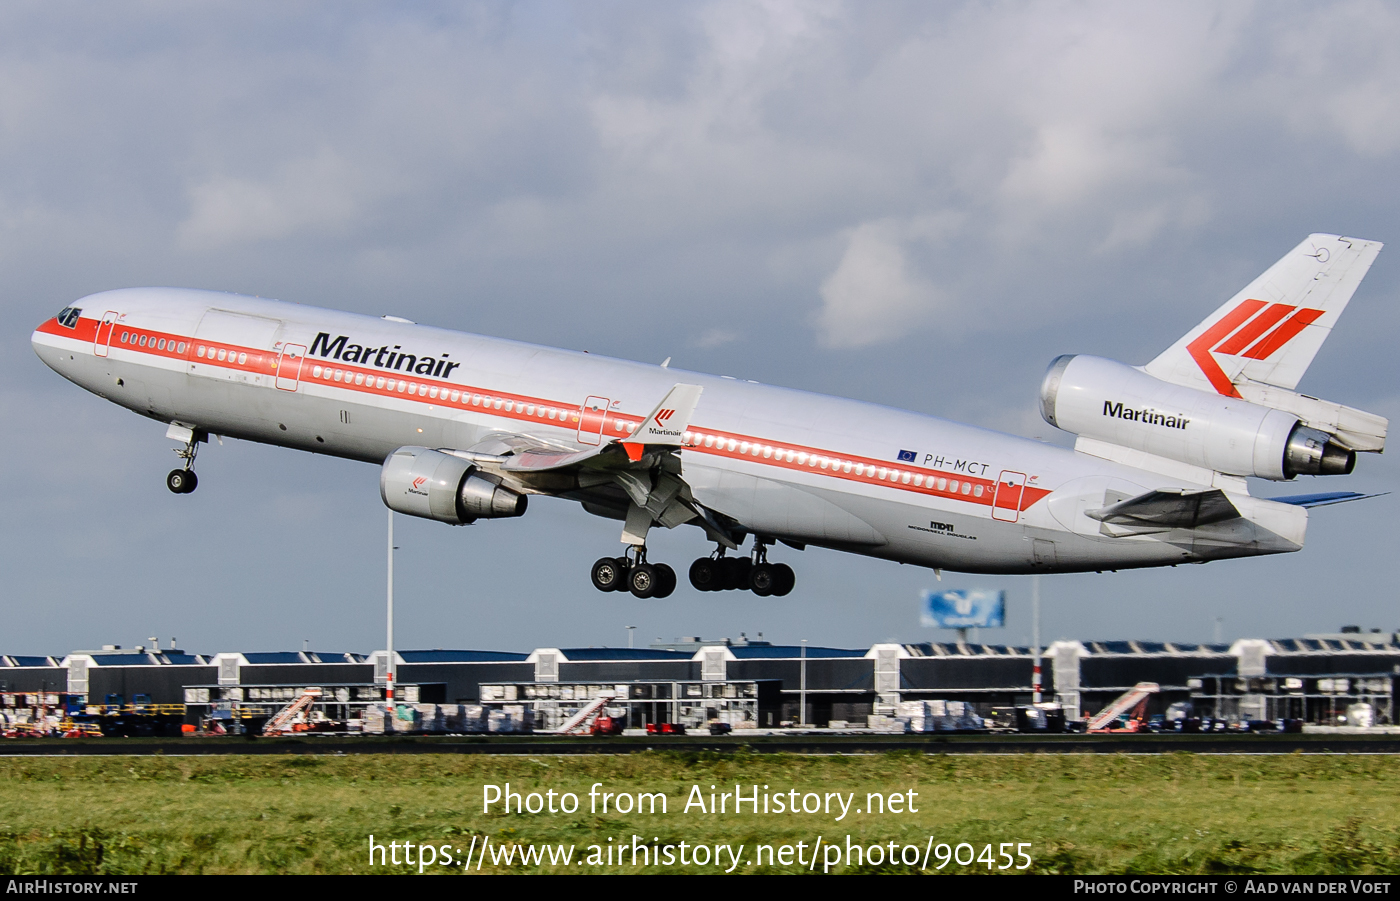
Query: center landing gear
(183,481)
(721,573)
(631,572)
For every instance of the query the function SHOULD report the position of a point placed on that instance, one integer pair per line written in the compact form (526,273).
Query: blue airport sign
(964,609)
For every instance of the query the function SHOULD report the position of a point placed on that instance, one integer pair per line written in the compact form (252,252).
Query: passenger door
(289,364)
(1006,503)
(592,416)
(102,344)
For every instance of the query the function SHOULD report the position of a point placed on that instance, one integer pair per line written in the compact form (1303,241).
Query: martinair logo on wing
(658,421)
(1255,330)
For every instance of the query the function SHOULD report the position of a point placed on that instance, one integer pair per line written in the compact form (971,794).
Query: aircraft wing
(645,466)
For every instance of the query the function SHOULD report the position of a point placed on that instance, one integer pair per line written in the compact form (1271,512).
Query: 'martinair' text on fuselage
(1150,416)
(384,357)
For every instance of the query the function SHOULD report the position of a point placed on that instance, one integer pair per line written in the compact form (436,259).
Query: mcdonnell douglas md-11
(465,427)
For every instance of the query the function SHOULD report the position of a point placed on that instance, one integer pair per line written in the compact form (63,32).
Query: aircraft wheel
(783,579)
(740,568)
(643,580)
(609,574)
(705,575)
(763,580)
(181,481)
(665,581)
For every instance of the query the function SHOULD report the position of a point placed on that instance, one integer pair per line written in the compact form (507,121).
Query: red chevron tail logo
(664,415)
(1255,330)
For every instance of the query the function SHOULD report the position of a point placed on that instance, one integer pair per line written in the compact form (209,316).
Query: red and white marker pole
(389,639)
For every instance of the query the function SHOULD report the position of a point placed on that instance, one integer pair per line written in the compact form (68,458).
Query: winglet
(667,423)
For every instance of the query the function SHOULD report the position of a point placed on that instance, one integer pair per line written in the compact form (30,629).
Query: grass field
(1179,813)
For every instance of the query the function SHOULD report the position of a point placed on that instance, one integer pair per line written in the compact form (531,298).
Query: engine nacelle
(434,485)
(1112,402)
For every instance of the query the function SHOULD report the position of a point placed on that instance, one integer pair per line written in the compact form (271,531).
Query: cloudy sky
(910,203)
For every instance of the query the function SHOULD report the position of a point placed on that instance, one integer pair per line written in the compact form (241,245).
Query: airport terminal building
(746,683)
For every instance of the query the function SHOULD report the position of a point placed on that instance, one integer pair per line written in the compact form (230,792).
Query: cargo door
(1006,503)
(235,347)
(592,416)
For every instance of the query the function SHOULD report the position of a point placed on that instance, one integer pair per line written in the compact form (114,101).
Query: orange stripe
(265,362)
(1283,334)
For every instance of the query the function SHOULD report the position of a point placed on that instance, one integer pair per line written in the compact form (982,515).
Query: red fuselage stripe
(957,486)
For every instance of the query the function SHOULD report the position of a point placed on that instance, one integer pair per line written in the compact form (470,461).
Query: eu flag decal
(907,456)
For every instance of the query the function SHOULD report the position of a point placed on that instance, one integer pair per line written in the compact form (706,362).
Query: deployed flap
(1172,508)
(1270,331)
(544,459)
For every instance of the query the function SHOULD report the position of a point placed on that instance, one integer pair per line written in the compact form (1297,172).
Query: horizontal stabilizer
(1169,508)
(1325,498)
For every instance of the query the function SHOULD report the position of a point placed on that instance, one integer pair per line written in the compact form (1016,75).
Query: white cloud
(875,294)
(313,196)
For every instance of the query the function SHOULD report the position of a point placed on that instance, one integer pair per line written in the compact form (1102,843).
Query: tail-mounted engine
(434,485)
(1112,402)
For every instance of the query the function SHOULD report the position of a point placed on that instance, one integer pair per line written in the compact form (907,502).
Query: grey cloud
(911,204)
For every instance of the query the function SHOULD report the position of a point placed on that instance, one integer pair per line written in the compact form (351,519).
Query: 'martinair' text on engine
(1149,415)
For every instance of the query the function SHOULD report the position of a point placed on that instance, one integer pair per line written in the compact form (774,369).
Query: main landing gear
(721,573)
(183,481)
(631,572)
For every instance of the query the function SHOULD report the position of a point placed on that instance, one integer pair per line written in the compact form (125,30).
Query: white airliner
(467,427)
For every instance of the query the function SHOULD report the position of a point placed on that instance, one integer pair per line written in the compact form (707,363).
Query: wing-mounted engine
(1280,436)
(428,483)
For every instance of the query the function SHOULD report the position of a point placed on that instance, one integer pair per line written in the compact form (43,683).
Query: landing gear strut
(183,481)
(756,574)
(631,572)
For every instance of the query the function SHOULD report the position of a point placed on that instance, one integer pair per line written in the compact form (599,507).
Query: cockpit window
(69,317)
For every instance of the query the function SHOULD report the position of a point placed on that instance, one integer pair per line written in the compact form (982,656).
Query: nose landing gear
(183,481)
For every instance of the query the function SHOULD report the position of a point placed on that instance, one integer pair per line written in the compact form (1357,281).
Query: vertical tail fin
(1270,332)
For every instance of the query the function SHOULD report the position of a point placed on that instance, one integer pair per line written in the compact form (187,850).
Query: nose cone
(47,343)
